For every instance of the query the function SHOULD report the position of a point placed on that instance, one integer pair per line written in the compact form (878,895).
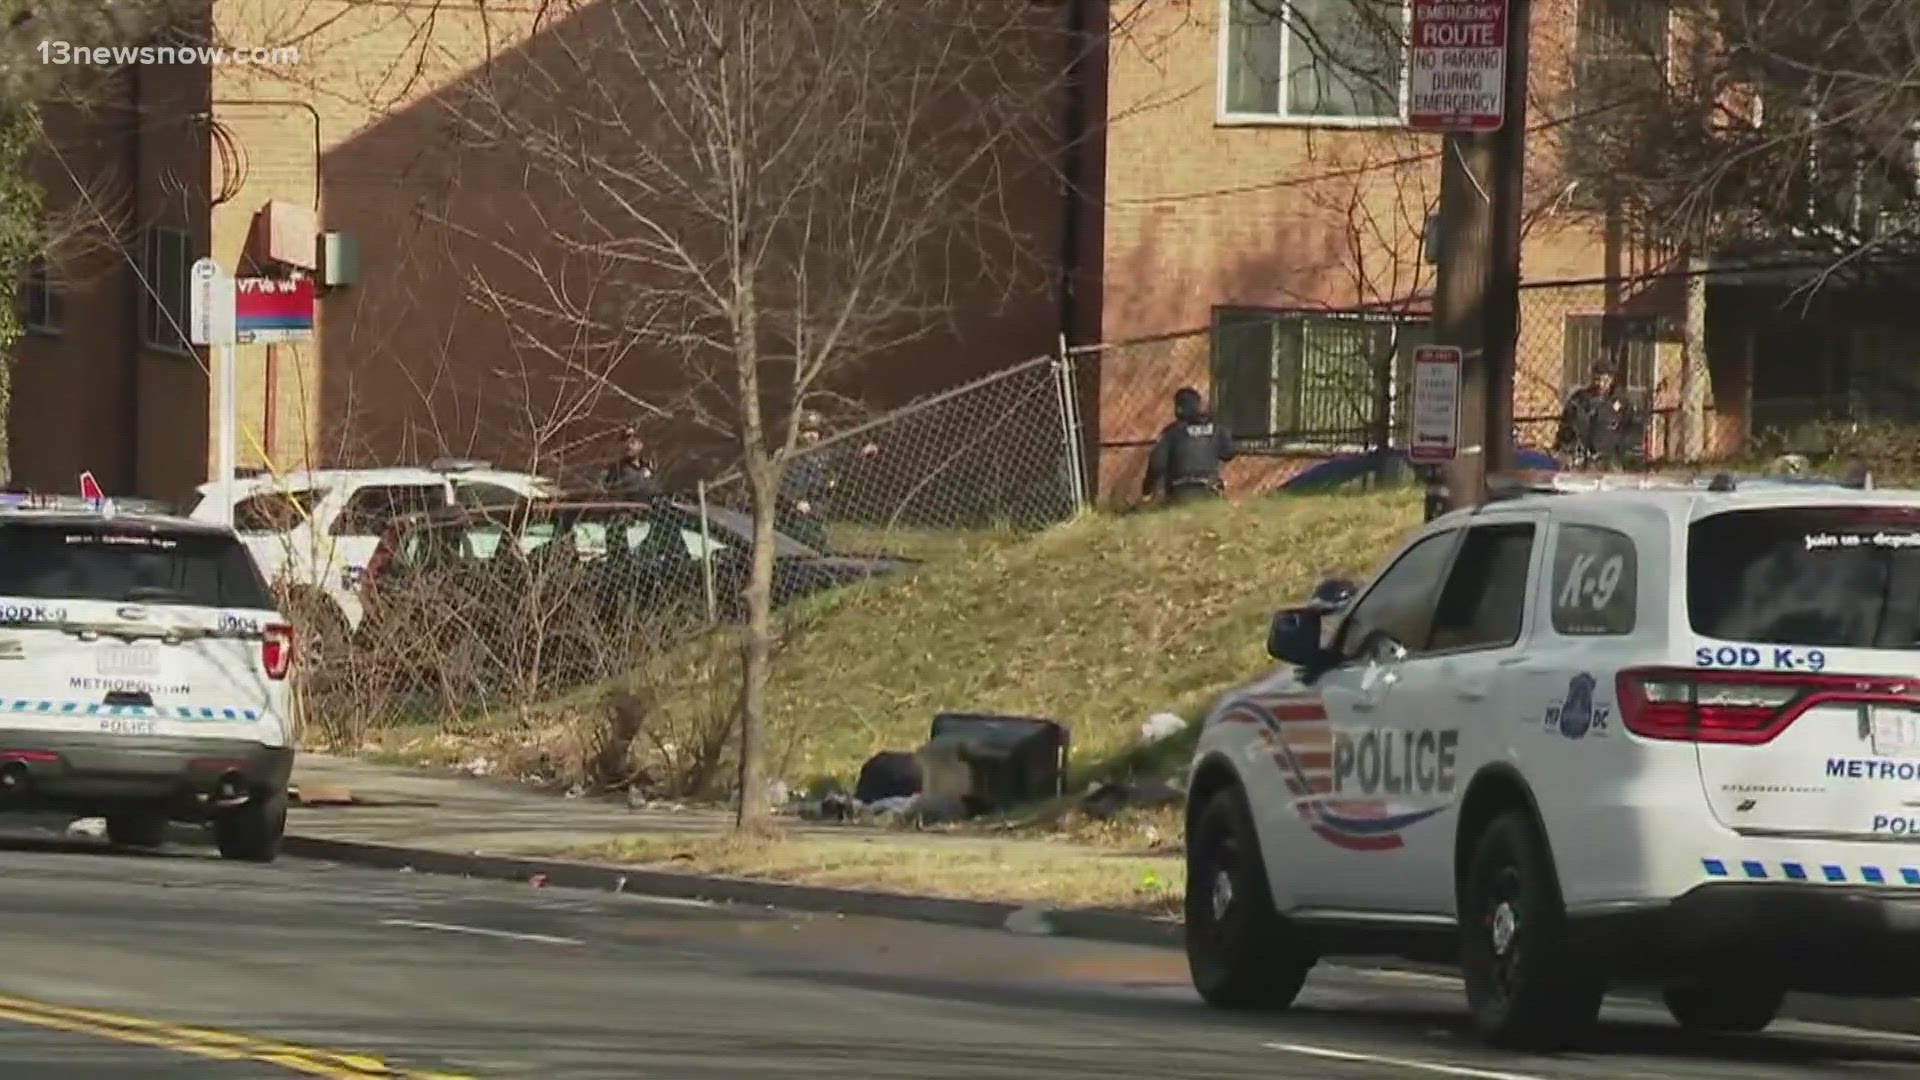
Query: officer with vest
(1185,463)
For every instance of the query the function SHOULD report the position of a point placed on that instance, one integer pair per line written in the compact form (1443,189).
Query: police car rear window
(1841,577)
(46,561)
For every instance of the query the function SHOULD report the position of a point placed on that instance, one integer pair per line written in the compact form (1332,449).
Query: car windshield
(1833,576)
(118,564)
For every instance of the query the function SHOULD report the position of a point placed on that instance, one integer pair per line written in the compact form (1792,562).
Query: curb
(1882,1014)
(1111,927)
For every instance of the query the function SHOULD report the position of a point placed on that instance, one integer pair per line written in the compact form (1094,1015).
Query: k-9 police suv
(143,672)
(1658,730)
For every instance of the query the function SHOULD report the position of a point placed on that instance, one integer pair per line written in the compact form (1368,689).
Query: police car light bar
(1564,483)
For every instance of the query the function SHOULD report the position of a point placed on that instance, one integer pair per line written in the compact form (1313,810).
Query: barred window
(1312,381)
(1621,342)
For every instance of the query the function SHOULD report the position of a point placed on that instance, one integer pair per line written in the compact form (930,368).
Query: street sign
(210,307)
(273,309)
(1436,404)
(1458,80)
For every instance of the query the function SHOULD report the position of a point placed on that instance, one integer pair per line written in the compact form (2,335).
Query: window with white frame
(167,266)
(1310,380)
(43,301)
(1340,62)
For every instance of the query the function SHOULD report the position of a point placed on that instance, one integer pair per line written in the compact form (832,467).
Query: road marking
(482,931)
(1409,1064)
(204,1042)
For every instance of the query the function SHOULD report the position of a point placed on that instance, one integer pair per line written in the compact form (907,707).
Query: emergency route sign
(1458,80)
(1436,405)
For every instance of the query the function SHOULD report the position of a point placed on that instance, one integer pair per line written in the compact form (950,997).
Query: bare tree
(1747,126)
(773,195)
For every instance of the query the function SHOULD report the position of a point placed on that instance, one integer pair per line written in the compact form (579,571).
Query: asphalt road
(180,965)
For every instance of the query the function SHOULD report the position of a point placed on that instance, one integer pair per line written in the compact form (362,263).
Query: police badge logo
(1578,715)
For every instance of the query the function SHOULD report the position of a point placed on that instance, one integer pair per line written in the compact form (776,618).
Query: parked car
(571,578)
(314,532)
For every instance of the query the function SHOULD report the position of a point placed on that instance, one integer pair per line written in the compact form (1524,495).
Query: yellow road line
(204,1042)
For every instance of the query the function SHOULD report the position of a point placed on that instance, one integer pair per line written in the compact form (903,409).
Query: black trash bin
(1015,759)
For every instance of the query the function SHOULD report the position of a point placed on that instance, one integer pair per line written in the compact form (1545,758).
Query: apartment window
(1340,62)
(1620,48)
(43,301)
(1621,342)
(166,264)
(1308,380)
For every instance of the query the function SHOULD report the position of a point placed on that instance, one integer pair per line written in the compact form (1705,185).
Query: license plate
(1896,732)
(128,662)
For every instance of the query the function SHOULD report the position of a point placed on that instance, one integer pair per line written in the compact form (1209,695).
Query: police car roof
(1703,491)
(70,510)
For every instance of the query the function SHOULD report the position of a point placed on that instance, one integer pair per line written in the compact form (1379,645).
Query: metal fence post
(1069,426)
(706,554)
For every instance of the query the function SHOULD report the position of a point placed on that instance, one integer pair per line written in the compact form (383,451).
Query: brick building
(178,161)
(1291,227)
(1250,213)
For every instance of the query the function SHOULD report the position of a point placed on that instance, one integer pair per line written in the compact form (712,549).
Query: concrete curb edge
(1894,1015)
(1113,927)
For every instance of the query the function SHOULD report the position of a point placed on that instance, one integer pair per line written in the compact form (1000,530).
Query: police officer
(633,475)
(1185,463)
(811,478)
(1599,423)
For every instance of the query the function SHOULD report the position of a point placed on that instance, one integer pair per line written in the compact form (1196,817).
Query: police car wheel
(1528,985)
(252,832)
(137,829)
(1241,953)
(1744,1006)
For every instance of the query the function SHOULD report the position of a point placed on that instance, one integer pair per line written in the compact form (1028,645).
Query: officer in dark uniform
(1185,463)
(633,475)
(1599,422)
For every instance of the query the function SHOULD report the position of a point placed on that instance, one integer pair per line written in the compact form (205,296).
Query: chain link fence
(996,457)
(563,619)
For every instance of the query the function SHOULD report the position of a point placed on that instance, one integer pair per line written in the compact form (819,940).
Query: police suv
(143,672)
(1656,729)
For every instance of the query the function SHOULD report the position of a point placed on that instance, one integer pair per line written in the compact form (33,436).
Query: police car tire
(1549,995)
(137,829)
(252,832)
(1252,959)
(1744,1006)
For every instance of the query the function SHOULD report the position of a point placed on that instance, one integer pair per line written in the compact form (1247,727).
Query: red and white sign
(1458,80)
(266,310)
(90,488)
(1436,404)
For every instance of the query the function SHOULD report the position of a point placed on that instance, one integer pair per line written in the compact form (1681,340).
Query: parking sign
(1436,404)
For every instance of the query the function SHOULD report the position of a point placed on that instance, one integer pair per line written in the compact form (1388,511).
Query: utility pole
(1477,302)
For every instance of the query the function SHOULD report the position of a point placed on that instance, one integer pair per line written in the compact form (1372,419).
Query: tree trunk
(757,656)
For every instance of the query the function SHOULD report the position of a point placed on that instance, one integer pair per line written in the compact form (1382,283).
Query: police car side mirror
(1294,637)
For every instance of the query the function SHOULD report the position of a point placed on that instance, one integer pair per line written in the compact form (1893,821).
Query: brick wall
(1201,213)
(412,362)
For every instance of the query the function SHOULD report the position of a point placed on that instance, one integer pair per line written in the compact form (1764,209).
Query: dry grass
(1051,873)
(1097,623)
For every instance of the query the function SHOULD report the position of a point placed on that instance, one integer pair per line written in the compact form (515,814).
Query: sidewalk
(452,816)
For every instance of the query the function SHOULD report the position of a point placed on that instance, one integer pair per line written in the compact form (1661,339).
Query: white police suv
(143,673)
(1666,731)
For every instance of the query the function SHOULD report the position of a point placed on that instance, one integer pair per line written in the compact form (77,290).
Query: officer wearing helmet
(633,475)
(1185,463)
(814,474)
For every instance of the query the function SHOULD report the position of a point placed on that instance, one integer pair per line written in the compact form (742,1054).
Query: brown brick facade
(405,365)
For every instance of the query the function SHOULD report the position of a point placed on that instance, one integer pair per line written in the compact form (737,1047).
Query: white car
(1668,733)
(313,532)
(145,672)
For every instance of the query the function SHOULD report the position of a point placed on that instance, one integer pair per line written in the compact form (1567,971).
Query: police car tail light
(276,650)
(1695,706)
